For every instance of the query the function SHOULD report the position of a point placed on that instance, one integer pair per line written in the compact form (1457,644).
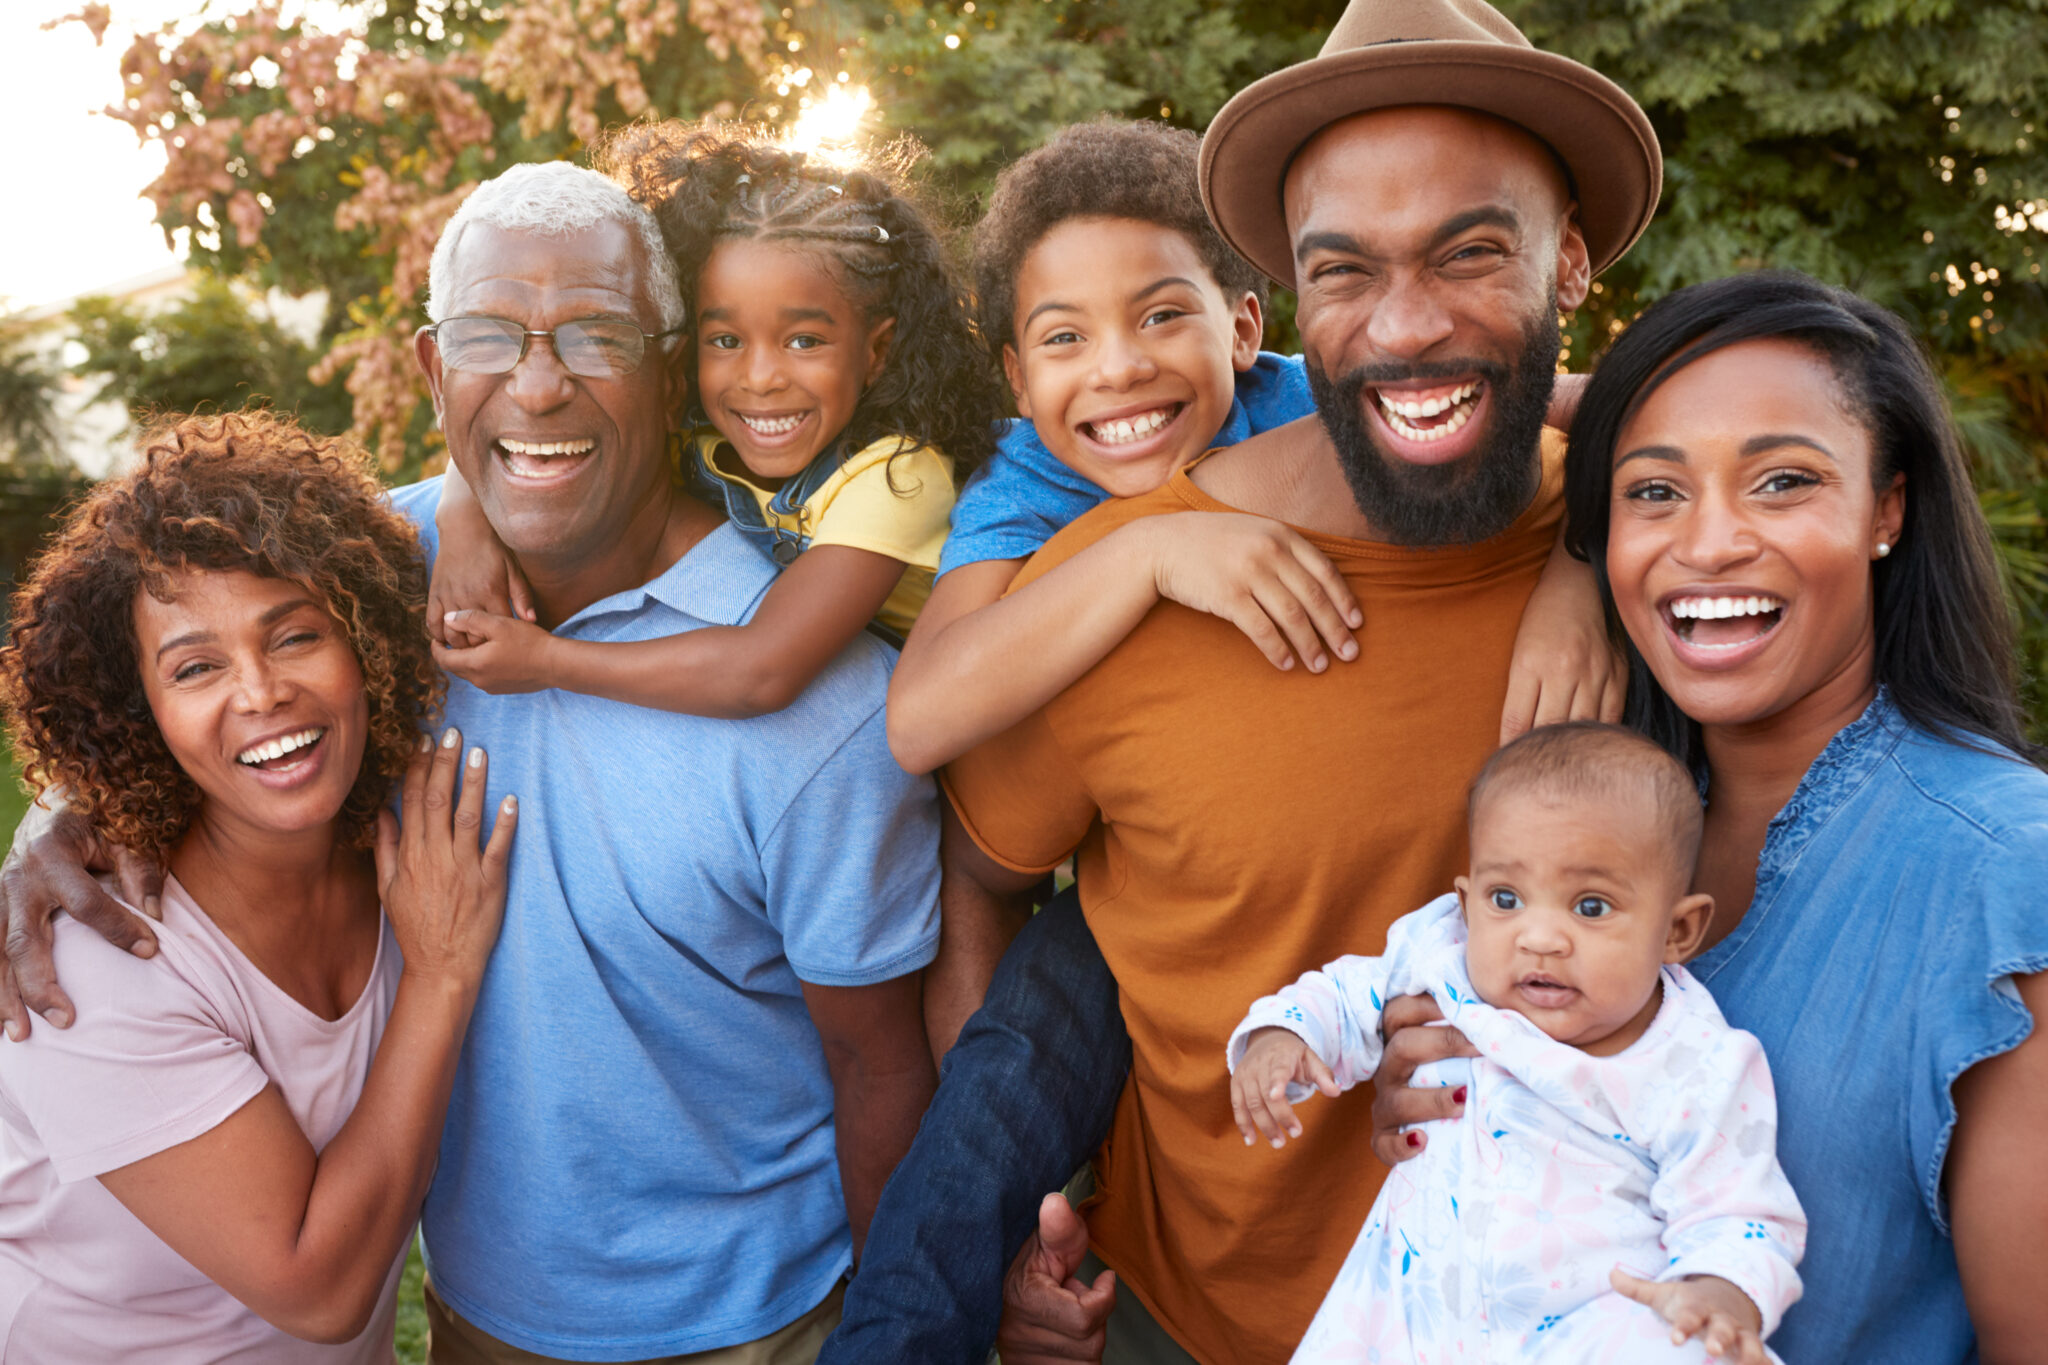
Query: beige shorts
(454,1340)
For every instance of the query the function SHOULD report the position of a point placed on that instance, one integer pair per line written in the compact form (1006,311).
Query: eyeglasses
(595,348)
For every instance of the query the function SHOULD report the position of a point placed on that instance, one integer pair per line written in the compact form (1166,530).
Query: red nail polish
(1414,1139)
(1459,1094)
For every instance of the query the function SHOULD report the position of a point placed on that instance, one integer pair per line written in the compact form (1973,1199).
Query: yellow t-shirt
(896,507)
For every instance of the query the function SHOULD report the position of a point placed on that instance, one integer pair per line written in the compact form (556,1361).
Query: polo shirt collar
(717,581)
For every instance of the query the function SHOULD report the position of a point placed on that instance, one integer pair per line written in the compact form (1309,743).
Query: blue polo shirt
(639,1157)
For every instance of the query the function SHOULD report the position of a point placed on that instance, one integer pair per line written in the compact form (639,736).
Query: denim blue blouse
(1898,895)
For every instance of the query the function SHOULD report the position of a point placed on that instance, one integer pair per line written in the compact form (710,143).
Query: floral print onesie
(1495,1242)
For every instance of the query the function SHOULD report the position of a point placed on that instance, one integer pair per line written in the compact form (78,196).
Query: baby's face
(1571,907)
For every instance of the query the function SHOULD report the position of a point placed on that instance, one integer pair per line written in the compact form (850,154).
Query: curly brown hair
(1110,168)
(247,491)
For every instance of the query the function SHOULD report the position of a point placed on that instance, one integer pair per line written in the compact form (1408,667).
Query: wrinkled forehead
(1426,163)
(542,278)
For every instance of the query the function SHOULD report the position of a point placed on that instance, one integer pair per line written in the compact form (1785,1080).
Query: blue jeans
(1025,1097)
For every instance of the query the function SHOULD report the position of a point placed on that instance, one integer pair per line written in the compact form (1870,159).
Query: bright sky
(78,224)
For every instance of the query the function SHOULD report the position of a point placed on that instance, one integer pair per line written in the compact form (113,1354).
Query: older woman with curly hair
(221,661)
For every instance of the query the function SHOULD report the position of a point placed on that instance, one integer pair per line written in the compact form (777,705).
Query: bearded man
(1437,192)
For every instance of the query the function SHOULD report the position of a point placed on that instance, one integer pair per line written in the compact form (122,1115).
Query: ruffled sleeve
(1994,931)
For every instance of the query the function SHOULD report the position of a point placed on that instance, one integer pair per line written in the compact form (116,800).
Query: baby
(1612,1190)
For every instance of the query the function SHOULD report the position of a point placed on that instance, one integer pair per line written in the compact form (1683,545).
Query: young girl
(1612,1189)
(842,392)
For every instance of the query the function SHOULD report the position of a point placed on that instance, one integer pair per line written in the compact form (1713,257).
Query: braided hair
(709,183)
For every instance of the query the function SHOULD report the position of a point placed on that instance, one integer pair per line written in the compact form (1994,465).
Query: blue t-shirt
(1024,496)
(1898,894)
(639,1156)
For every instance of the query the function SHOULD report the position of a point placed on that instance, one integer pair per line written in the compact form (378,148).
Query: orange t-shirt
(1238,826)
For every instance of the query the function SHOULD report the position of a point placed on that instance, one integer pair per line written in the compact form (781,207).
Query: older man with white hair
(698,1050)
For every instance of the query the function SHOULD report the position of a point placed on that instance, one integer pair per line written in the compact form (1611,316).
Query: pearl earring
(1883,549)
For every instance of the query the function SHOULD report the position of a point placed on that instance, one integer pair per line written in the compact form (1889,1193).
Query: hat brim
(1602,136)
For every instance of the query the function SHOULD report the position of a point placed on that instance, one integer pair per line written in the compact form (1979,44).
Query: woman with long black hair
(1768,484)
(1766,479)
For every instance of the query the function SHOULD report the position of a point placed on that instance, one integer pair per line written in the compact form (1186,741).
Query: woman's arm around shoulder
(980,665)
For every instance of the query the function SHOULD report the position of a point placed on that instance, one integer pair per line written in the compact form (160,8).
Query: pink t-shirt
(163,1049)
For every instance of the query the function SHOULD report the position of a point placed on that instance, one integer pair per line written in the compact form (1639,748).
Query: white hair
(554,199)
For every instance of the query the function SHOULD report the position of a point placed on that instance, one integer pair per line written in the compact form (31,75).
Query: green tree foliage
(35,478)
(29,383)
(211,352)
(982,84)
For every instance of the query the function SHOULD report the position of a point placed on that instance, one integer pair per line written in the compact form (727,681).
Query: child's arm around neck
(813,611)
(979,662)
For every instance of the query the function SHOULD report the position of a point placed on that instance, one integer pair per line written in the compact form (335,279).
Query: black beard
(1470,499)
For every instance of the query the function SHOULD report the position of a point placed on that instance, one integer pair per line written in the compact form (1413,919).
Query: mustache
(1386,372)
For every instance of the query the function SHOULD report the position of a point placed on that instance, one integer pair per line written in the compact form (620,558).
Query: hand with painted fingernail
(443,892)
(1414,1036)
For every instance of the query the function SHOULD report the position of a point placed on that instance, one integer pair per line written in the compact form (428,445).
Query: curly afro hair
(251,492)
(1110,168)
(710,182)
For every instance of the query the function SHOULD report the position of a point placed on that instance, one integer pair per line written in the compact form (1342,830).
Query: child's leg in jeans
(1613,1328)
(1024,1098)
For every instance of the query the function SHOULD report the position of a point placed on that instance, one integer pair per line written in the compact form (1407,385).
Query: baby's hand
(1264,579)
(1258,1088)
(496,653)
(1702,1305)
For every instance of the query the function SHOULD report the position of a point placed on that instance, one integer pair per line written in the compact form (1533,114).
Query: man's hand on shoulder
(1048,1314)
(50,869)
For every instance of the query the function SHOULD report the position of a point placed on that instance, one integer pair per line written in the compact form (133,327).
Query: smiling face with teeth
(783,355)
(1127,351)
(562,465)
(1744,518)
(259,698)
(1434,249)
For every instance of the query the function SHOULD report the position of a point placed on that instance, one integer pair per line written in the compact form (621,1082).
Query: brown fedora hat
(1464,53)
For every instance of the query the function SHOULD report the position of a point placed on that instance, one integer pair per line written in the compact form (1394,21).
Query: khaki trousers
(454,1340)
(1135,1336)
